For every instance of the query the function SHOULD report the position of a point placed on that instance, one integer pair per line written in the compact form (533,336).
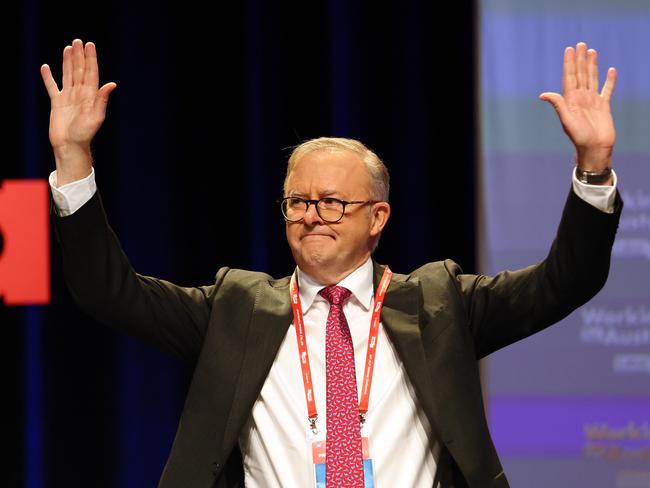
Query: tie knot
(336,295)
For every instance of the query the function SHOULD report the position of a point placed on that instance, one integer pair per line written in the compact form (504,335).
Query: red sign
(25,242)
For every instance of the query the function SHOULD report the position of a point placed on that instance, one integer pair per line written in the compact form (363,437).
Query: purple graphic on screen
(569,407)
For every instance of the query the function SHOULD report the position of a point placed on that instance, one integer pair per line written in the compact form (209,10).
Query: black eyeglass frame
(345,203)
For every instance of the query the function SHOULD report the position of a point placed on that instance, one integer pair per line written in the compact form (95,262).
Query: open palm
(585,112)
(79,108)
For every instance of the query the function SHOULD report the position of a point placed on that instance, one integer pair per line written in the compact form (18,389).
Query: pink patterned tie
(344,459)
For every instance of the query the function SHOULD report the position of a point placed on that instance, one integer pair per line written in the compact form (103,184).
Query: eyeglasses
(331,210)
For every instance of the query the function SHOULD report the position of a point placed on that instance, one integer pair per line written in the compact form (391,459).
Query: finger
(592,69)
(581,64)
(91,75)
(67,67)
(610,84)
(101,99)
(569,81)
(48,79)
(78,62)
(558,103)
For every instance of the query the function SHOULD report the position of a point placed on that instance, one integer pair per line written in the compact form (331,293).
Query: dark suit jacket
(440,320)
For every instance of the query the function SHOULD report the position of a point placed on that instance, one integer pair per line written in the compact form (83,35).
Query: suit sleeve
(103,283)
(513,305)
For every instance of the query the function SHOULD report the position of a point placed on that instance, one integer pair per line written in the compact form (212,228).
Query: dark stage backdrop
(190,162)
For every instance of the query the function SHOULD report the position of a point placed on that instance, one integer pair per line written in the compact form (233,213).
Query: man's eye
(295,202)
(329,202)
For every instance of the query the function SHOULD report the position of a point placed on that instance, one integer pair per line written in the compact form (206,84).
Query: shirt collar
(359,282)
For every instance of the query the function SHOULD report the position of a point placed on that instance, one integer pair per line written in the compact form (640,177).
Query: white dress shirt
(276,441)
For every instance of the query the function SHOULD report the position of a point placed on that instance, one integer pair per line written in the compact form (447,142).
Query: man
(280,366)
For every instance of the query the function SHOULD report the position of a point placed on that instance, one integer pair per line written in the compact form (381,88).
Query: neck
(327,276)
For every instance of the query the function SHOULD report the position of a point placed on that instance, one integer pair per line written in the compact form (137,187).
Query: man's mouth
(315,235)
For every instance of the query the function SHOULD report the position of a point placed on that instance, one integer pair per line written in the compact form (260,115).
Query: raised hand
(585,112)
(77,110)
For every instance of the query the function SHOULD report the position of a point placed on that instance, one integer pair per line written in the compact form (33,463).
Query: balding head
(379,178)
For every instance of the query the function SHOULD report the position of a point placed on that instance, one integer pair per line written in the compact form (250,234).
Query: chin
(314,258)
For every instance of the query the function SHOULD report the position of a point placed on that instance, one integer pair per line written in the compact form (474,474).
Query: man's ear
(380,213)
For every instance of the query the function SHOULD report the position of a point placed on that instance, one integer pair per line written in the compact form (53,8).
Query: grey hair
(376,168)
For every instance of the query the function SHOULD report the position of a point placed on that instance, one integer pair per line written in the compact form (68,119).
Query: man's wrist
(73,163)
(602,197)
(600,177)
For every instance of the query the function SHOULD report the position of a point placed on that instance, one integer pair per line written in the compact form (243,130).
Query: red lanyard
(370,351)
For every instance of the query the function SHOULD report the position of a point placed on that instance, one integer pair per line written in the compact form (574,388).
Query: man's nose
(311,215)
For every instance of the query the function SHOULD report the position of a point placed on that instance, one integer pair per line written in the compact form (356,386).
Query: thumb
(101,98)
(558,103)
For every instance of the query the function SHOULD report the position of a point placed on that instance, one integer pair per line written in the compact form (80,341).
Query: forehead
(329,171)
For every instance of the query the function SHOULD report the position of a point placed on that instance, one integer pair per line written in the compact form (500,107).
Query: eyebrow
(322,194)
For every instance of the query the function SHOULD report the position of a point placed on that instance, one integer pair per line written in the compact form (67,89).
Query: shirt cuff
(600,196)
(72,196)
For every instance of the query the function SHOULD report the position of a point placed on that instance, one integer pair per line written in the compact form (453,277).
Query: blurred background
(571,406)
(190,163)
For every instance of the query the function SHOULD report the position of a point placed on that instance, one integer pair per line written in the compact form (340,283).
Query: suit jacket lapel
(400,317)
(270,321)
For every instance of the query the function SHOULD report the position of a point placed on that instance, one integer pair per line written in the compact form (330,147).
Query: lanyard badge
(319,449)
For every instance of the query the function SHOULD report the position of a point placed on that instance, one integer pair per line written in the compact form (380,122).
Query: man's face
(330,251)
